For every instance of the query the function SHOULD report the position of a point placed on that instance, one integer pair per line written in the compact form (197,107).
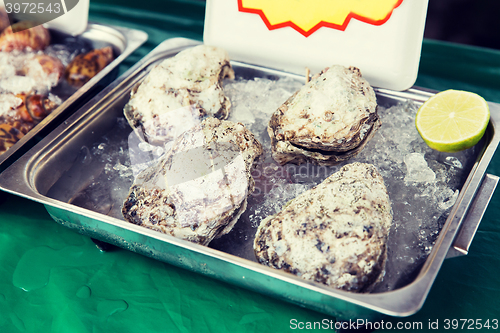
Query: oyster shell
(327,121)
(335,233)
(179,93)
(197,190)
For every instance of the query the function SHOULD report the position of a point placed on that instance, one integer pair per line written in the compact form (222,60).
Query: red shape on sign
(309,32)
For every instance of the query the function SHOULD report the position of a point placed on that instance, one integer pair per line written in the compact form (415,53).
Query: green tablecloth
(54,280)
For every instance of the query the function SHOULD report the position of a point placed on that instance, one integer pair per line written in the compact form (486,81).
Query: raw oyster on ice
(197,190)
(179,93)
(336,233)
(327,121)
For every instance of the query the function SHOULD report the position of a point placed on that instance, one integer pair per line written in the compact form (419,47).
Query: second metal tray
(124,41)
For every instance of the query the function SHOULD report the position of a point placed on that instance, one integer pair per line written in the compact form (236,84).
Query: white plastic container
(386,48)
(75,19)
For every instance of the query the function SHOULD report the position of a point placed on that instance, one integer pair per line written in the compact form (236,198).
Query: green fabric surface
(55,280)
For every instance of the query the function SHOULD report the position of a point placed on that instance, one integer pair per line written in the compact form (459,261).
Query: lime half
(452,120)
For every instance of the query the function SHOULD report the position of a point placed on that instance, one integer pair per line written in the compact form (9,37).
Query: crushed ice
(423,184)
(8,104)
(33,78)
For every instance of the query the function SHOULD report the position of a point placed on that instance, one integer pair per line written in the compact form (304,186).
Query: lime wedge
(452,120)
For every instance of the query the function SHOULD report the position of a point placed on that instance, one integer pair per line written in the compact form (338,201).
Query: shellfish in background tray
(46,73)
(83,172)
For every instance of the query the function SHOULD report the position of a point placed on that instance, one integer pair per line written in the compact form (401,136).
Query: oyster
(335,233)
(180,92)
(327,121)
(197,190)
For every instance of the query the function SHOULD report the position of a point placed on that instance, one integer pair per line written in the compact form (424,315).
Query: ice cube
(453,161)
(448,199)
(8,104)
(417,169)
(17,84)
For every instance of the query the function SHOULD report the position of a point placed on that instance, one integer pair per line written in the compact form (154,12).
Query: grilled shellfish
(327,121)
(25,112)
(86,66)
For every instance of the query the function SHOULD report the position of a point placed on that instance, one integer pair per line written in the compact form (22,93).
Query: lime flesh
(453,120)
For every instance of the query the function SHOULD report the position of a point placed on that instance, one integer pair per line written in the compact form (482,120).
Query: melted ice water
(423,184)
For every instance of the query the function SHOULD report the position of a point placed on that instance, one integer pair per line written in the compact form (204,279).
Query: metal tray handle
(471,222)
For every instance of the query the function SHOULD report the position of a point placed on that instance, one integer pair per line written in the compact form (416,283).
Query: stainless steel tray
(35,173)
(124,41)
